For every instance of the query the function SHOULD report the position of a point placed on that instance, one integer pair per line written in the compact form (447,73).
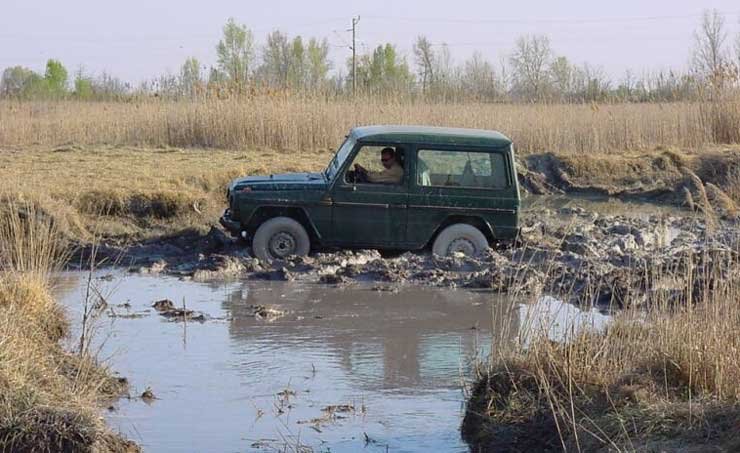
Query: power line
(86,37)
(518,21)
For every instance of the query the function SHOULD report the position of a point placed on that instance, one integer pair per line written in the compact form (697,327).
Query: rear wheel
(460,238)
(279,238)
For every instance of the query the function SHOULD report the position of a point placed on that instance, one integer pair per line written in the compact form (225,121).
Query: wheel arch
(264,213)
(481,224)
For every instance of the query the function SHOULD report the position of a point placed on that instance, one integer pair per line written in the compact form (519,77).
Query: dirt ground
(128,195)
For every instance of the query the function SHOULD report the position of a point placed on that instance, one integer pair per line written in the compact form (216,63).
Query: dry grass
(661,378)
(49,398)
(152,167)
(296,123)
(135,193)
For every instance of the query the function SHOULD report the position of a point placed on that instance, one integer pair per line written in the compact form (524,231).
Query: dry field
(134,193)
(296,123)
(147,167)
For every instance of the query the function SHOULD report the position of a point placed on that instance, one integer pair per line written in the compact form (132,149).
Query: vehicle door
(370,214)
(450,181)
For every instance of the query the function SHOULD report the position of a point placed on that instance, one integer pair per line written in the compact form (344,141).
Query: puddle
(333,369)
(558,320)
(638,209)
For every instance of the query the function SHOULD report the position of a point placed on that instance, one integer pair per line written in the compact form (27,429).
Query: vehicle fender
(295,212)
(478,222)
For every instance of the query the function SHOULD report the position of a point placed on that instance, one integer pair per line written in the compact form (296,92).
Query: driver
(392,172)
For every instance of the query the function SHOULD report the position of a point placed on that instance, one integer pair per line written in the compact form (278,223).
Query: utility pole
(355,20)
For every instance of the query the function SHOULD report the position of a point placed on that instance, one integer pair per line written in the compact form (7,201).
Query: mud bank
(689,179)
(508,412)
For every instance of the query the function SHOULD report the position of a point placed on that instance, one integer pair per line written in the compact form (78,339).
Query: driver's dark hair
(388,150)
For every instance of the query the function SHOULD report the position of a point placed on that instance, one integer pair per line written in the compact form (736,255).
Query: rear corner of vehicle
(506,219)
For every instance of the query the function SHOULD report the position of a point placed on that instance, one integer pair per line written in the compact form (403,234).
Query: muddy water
(601,204)
(393,364)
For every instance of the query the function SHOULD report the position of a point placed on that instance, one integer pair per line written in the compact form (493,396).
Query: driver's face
(387,160)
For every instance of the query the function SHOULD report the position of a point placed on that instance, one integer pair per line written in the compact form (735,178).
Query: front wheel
(279,238)
(460,238)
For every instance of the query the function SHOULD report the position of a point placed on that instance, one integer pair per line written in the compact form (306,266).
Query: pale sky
(140,39)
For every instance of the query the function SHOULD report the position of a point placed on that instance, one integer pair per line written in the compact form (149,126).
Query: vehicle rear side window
(474,169)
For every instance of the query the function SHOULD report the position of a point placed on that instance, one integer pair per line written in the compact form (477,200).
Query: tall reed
(301,123)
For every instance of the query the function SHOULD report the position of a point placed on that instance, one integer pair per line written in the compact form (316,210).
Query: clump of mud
(582,256)
(167,309)
(265,313)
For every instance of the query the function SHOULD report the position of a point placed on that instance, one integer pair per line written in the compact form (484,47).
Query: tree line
(531,72)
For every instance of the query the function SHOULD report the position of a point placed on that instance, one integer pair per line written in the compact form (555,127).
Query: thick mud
(595,252)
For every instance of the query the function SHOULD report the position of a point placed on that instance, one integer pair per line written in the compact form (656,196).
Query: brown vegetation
(290,123)
(149,167)
(661,378)
(49,398)
(129,193)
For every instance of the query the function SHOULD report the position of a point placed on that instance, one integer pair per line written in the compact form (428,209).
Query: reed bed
(663,375)
(297,123)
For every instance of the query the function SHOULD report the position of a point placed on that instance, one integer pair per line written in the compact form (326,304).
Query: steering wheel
(361,174)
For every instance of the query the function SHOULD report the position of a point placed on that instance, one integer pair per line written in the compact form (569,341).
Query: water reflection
(417,338)
(396,357)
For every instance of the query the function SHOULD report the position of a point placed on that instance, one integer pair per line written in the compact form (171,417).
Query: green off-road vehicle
(387,187)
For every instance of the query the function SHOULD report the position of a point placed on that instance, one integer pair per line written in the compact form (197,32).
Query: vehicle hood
(283,181)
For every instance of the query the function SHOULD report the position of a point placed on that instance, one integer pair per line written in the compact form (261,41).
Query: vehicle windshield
(339,158)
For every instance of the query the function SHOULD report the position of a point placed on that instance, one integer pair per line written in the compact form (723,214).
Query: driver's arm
(394,175)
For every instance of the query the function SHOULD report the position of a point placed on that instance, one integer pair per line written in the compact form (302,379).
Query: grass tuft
(49,398)
(662,376)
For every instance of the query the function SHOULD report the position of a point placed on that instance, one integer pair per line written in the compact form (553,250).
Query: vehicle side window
(474,169)
(377,165)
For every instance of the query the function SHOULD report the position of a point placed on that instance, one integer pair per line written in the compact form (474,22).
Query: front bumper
(232,226)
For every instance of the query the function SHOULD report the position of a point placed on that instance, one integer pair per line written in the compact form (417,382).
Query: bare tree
(594,85)
(479,79)
(443,69)
(530,62)
(424,58)
(562,77)
(708,59)
(737,54)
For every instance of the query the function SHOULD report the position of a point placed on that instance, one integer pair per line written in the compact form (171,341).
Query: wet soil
(664,176)
(605,252)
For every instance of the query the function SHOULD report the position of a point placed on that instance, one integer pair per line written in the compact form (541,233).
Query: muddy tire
(460,237)
(279,238)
